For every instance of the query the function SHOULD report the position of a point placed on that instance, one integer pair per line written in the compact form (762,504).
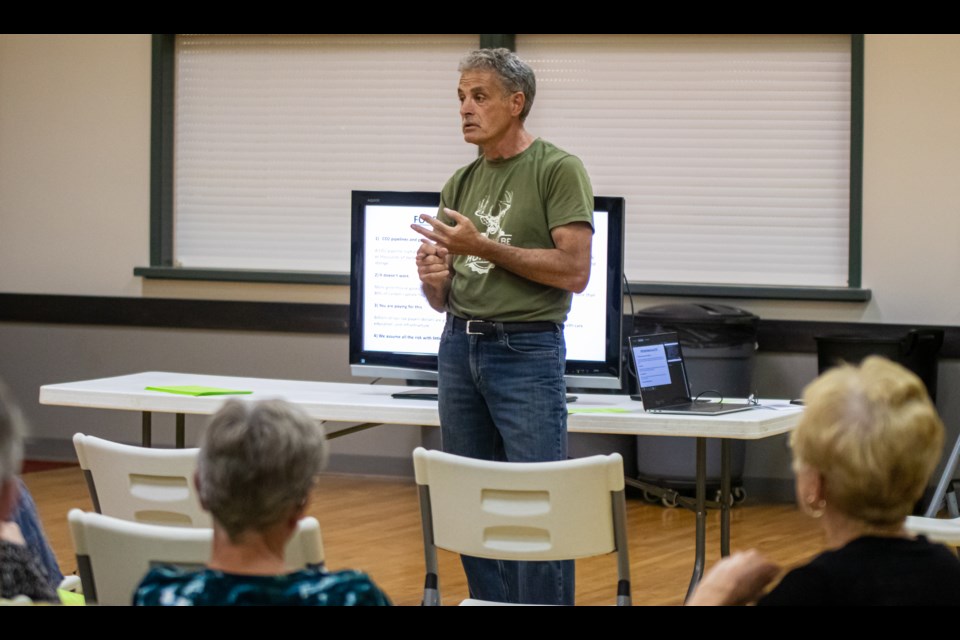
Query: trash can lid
(698,314)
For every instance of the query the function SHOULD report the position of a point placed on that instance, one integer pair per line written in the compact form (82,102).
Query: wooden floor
(373,524)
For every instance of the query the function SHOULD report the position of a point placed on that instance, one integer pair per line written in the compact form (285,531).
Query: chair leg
(945,484)
(623,545)
(86,579)
(431,594)
(431,586)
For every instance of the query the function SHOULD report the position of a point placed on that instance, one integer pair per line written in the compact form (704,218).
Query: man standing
(502,259)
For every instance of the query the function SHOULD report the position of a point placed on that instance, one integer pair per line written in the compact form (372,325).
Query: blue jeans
(26,516)
(503,398)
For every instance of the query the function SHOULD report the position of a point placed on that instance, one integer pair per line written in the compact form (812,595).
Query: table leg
(146,423)
(354,429)
(701,510)
(181,430)
(724,497)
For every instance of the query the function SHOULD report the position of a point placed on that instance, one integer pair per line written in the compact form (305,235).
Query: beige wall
(74,163)
(911,188)
(74,179)
(74,212)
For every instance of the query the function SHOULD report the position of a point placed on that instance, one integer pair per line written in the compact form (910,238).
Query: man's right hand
(433,267)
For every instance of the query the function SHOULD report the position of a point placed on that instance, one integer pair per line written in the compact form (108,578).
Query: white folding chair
(946,531)
(946,492)
(152,486)
(114,555)
(522,511)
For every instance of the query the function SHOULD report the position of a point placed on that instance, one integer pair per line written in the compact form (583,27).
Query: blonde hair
(874,435)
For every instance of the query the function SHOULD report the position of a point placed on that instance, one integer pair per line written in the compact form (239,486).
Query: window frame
(161,202)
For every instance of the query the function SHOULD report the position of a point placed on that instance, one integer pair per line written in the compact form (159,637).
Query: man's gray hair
(514,73)
(11,435)
(258,462)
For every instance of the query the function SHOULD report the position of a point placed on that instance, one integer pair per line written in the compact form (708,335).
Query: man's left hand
(462,238)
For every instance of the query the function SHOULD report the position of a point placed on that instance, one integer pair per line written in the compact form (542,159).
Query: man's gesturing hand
(461,238)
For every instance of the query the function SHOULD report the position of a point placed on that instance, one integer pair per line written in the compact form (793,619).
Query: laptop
(662,375)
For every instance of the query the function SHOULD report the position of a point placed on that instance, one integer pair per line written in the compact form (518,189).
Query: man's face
(487,111)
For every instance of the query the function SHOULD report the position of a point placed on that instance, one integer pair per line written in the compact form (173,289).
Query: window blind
(273,132)
(733,152)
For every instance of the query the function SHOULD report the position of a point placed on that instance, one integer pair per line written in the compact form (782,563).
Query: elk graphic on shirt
(494,228)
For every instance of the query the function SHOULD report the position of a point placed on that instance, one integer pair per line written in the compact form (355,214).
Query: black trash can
(918,350)
(719,343)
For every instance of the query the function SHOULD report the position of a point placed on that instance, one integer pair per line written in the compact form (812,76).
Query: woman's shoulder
(347,587)
(165,585)
(170,586)
(905,553)
(873,570)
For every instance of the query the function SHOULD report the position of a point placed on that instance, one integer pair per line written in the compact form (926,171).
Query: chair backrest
(946,531)
(152,486)
(114,555)
(524,511)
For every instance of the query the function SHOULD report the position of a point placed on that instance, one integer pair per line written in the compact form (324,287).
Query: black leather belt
(492,329)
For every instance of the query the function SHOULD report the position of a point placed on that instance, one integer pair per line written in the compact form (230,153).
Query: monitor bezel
(583,374)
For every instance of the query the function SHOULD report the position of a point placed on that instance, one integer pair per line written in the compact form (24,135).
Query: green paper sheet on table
(194,390)
(70,598)
(597,410)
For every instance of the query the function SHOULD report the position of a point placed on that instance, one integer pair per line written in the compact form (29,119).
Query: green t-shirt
(516,201)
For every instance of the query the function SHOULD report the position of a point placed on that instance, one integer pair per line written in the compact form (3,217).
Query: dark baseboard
(371,465)
(769,491)
(799,336)
(50,450)
(175,313)
(783,336)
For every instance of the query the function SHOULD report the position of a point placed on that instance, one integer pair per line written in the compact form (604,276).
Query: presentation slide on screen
(652,368)
(397,317)
(586,328)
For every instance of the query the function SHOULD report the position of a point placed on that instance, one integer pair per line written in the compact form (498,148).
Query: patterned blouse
(170,586)
(22,573)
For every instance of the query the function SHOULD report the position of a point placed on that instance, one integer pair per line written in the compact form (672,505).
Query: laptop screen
(658,362)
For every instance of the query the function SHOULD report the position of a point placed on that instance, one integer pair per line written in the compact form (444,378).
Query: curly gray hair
(514,73)
(258,462)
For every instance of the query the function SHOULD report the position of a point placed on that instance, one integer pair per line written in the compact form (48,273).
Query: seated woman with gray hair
(27,565)
(257,465)
(862,454)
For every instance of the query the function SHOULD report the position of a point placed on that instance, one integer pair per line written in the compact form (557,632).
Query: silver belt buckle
(470,331)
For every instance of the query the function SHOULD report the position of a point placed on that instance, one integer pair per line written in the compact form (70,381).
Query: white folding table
(372,405)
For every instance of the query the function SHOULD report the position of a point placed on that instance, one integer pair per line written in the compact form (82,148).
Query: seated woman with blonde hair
(868,442)
(257,465)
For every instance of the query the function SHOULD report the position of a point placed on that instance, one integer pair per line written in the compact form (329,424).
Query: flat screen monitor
(394,333)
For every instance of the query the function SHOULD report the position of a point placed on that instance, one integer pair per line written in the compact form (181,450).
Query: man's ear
(517,102)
